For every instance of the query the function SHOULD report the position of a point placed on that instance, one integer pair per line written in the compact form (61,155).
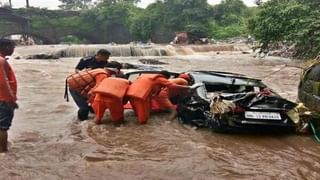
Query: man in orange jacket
(145,88)
(8,92)
(81,85)
(163,101)
(110,95)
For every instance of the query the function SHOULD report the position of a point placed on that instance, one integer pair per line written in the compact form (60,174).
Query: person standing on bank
(100,60)
(8,92)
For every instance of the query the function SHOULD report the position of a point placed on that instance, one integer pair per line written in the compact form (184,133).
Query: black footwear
(91,110)
(83,114)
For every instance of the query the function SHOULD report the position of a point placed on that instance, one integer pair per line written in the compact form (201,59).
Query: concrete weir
(129,50)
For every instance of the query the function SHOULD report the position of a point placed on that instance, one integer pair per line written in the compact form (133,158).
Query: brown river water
(47,142)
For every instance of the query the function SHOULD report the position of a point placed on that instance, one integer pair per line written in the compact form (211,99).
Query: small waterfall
(147,51)
(58,51)
(209,48)
(184,50)
(170,50)
(173,50)
(115,50)
(76,51)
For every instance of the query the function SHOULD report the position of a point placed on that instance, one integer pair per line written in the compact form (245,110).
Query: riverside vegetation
(291,22)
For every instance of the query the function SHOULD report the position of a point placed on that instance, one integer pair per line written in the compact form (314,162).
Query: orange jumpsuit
(80,86)
(162,100)
(143,90)
(109,95)
(84,81)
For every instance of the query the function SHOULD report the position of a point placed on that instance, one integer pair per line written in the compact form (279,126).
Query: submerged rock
(42,56)
(151,61)
(141,67)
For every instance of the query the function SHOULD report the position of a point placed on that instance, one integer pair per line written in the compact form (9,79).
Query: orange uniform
(143,90)
(80,86)
(109,95)
(84,81)
(162,100)
(8,82)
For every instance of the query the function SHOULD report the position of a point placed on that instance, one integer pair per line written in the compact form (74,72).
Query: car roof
(218,77)
(210,77)
(128,73)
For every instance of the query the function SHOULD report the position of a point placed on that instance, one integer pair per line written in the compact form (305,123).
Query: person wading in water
(8,92)
(83,82)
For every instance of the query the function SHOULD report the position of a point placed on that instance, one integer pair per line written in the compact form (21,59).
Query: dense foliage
(294,22)
(160,19)
(291,22)
(230,19)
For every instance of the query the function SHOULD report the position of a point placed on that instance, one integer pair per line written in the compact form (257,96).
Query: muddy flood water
(47,142)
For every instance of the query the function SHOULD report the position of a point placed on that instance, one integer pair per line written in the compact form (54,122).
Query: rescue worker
(81,83)
(8,92)
(163,101)
(100,60)
(110,95)
(145,88)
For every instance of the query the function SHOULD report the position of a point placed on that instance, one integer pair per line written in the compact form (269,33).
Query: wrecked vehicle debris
(231,102)
(184,38)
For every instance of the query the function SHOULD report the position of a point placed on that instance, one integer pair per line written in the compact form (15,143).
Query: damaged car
(229,102)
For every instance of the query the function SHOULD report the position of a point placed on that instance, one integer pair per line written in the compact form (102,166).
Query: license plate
(262,115)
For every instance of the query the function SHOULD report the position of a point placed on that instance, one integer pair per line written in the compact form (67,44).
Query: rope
(316,136)
(66,95)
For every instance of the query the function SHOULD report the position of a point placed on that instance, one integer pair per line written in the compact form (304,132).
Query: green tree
(172,15)
(145,22)
(230,12)
(230,19)
(160,19)
(295,22)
